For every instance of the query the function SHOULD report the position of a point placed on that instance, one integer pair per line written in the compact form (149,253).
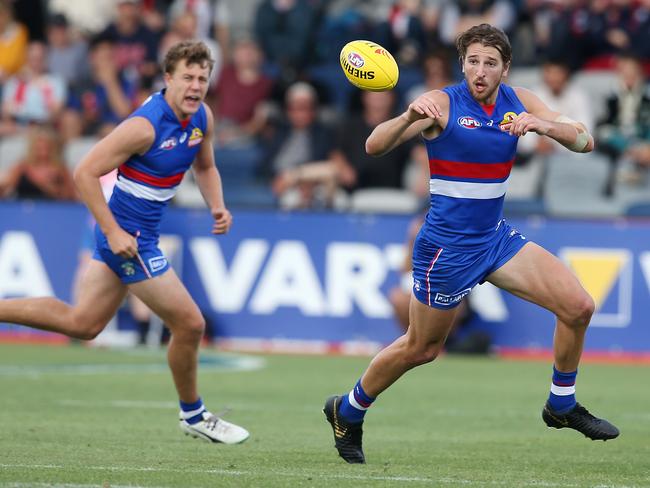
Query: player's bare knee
(582,309)
(417,356)
(89,330)
(190,329)
(84,328)
(197,327)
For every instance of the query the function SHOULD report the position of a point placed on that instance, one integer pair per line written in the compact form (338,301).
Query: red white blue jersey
(470,162)
(146,183)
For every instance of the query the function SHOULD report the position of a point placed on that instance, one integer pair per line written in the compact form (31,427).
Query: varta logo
(468,122)
(606,274)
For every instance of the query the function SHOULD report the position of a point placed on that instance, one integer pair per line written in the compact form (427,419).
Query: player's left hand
(222,220)
(525,123)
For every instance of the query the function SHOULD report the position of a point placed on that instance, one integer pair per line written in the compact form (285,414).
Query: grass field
(78,417)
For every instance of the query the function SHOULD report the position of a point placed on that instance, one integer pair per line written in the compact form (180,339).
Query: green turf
(464,422)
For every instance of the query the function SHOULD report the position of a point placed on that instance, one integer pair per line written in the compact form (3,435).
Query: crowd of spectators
(289,128)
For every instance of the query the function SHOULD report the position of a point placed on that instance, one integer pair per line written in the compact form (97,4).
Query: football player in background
(152,149)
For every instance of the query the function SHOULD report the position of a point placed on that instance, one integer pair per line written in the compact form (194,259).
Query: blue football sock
(354,405)
(192,413)
(563,391)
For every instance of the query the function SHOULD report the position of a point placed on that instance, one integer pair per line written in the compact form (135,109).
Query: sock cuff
(564,379)
(360,396)
(190,407)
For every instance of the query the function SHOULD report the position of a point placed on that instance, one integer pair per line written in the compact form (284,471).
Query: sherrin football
(369,66)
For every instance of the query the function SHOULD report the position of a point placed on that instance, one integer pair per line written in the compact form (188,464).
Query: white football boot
(215,429)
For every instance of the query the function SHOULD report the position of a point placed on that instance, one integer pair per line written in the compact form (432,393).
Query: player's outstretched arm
(209,180)
(539,118)
(421,115)
(133,136)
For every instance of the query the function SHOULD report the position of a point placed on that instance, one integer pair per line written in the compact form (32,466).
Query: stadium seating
(574,187)
(337,89)
(12,149)
(598,85)
(383,200)
(76,149)
(525,180)
(525,77)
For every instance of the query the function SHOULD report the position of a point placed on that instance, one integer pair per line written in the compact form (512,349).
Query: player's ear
(462,64)
(505,70)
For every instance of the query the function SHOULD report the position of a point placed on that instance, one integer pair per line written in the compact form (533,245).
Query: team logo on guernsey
(196,137)
(606,274)
(168,144)
(128,268)
(356,60)
(508,117)
(468,122)
(183,137)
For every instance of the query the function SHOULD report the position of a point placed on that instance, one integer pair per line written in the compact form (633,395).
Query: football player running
(470,131)
(152,149)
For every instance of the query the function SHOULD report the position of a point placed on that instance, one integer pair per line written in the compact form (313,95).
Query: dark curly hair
(486,35)
(193,52)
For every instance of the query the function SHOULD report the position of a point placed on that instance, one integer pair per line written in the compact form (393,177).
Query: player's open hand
(222,220)
(423,107)
(122,243)
(524,123)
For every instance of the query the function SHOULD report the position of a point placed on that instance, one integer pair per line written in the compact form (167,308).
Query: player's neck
(489,101)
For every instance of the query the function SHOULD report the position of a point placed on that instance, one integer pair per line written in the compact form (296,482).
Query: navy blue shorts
(442,276)
(151,261)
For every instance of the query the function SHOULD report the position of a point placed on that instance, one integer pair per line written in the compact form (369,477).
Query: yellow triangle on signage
(597,271)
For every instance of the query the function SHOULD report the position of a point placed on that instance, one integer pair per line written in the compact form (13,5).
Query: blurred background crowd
(290,129)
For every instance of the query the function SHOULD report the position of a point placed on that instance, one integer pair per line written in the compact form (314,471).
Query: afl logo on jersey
(468,122)
(168,144)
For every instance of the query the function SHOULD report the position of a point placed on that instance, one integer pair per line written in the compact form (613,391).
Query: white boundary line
(291,474)
(231,364)
(19,484)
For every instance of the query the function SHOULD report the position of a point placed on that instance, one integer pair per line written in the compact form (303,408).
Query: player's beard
(484,95)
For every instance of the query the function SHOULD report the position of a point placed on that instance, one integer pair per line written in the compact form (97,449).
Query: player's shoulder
(151,109)
(138,127)
(523,93)
(439,96)
(134,135)
(528,98)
